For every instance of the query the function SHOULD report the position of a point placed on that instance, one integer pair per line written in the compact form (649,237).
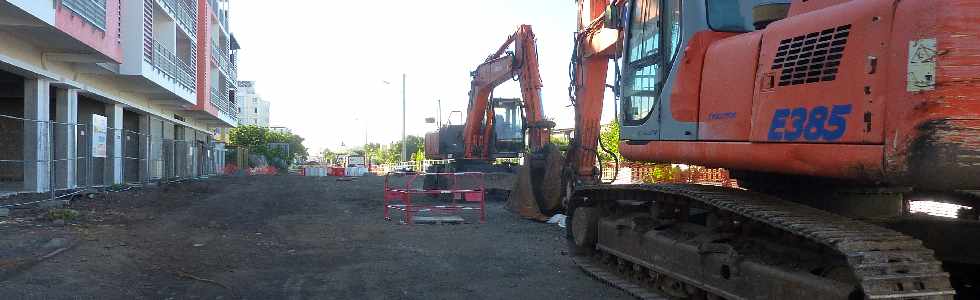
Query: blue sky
(322,64)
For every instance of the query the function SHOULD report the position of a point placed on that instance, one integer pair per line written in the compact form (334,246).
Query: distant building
(253,110)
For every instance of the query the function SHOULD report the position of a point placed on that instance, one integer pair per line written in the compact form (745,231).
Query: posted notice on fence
(100,126)
(355,161)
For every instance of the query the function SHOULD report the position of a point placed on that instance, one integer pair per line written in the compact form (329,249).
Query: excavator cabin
(506,127)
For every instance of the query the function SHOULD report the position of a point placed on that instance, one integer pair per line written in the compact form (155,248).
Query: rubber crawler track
(888,264)
(603,275)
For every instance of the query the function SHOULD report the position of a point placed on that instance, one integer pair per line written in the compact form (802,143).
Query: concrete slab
(438,220)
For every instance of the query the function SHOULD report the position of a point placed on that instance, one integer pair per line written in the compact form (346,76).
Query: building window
(256,110)
(93,11)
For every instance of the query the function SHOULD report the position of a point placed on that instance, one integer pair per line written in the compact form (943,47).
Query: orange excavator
(834,115)
(494,127)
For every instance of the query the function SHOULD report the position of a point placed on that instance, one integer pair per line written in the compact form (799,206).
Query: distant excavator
(502,128)
(495,127)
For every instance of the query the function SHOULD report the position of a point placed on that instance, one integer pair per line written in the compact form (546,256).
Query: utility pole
(404,141)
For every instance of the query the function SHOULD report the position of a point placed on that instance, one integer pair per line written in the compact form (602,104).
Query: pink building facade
(160,73)
(217,69)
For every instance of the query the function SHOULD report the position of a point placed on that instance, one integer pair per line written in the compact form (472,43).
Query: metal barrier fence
(35,157)
(414,166)
(421,166)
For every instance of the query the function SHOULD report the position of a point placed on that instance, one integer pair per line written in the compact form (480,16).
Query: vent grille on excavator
(812,57)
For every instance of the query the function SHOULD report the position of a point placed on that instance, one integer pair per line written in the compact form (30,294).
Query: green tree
(419,155)
(380,154)
(609,137)
(656,173)
(560,141)
(328,155)
(297,151)
(392,153)
(414,144)
(248,136)
(257,140)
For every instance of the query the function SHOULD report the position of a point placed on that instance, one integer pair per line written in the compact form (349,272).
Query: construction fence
(50,156)
(423,165)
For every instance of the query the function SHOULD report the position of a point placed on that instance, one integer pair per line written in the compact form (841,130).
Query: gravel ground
(286,237)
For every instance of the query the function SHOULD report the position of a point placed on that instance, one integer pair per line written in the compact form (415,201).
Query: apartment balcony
(220,10)
(160,51)
(76,31)
(221,102)
(165,61)
(221,59)
(92,11)
(185,12)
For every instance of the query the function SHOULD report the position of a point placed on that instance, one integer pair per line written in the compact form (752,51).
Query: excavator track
(884,263)
(609,276)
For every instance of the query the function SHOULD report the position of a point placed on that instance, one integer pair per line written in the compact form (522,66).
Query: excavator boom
(499,67)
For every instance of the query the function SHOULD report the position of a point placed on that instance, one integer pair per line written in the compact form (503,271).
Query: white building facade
(253,109)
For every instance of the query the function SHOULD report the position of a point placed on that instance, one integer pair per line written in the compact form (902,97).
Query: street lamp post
(404,141)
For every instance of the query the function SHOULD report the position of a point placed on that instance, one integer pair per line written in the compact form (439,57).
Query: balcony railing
(187,75)
(221,102)
(222,13)
(223,60)
(166,62)
(233,70)
(93,11)
(214,6)
(186,13)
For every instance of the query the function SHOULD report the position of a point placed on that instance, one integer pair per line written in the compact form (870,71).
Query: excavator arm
(598,40)
(502,65)
(549,176)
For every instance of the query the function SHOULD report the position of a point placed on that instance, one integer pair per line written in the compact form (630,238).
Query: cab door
(656,33)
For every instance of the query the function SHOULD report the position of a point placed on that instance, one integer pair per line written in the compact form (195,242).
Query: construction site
(701,150)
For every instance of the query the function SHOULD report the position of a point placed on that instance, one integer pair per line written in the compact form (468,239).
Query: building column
(219,158)
(114,112)
(156,149)
(145,142)
(66,113)
(196,154)
(169,154)
(37,141)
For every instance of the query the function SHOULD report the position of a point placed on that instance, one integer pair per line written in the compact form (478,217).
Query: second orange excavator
(495,128)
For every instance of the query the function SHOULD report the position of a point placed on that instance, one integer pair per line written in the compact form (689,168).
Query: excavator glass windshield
(508,125)
(654,36)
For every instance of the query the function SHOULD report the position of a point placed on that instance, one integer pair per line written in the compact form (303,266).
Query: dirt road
(287,237)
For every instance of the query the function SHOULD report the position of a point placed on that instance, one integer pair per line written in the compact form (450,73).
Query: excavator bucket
(537,190)
(522,200)
(546,174)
